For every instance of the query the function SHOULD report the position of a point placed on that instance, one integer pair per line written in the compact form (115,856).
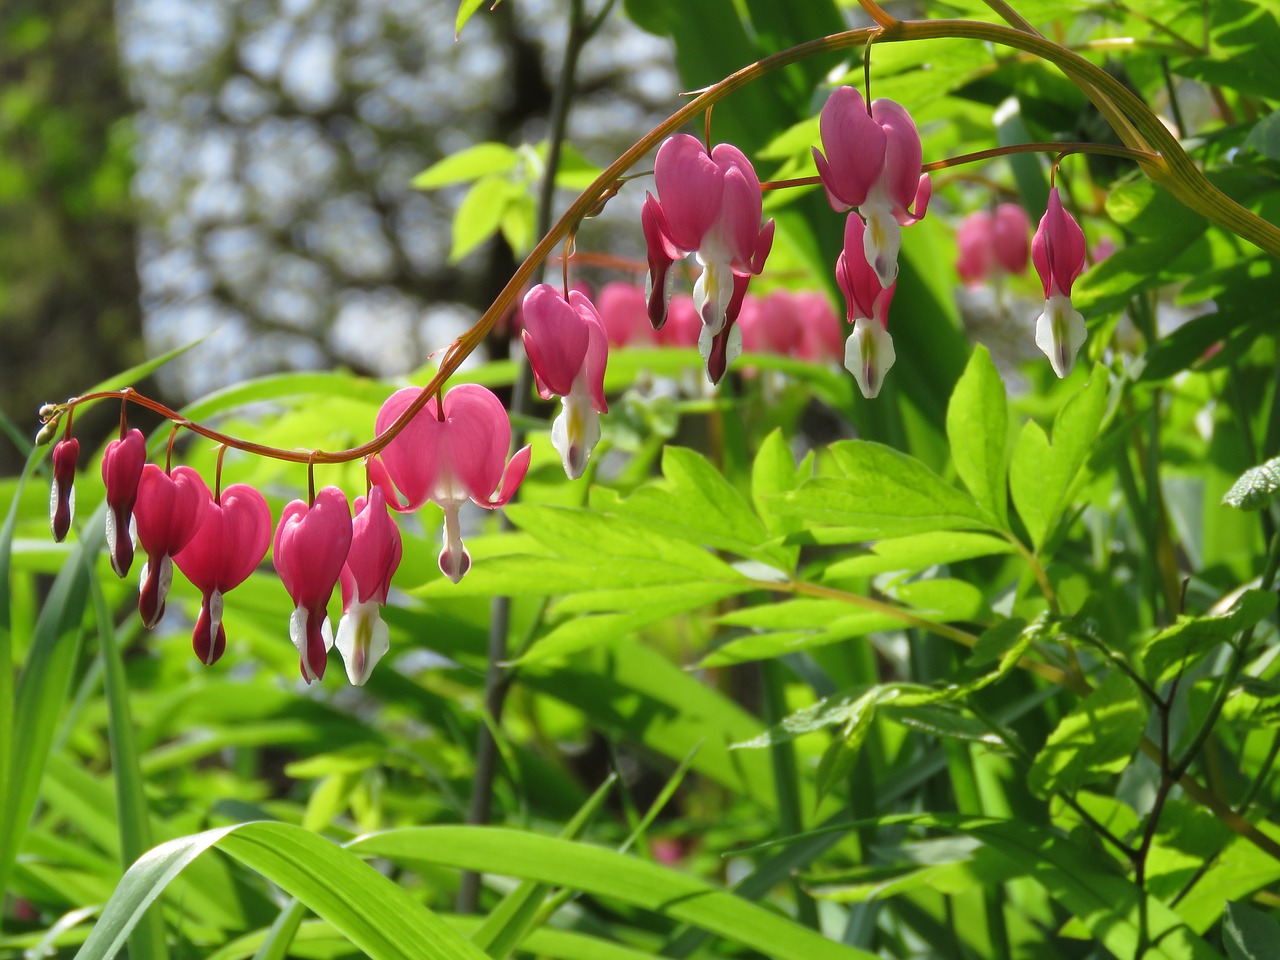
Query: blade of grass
(607,873)
(42,690)
(6,658)
(377,916)
(280,936)
(786,779)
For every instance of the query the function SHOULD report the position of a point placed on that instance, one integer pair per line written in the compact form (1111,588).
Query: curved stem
(1157,152)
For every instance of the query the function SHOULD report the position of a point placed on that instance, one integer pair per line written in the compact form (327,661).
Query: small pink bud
(121,471)
(1011,225)
(62,497)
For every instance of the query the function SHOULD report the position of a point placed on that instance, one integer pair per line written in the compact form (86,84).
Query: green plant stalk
(147,941)
(964,783)
(786,780)
(480,804)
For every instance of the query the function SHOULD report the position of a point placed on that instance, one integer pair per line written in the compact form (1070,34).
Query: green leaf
(1249,934)
(518,223)
(1175,648)
(696,503)
(465,10)
(480,214)
(1265,137)
(978,428)
(1109,905)
(942,720)
(1041,475)
(884,493)
(8,841)
(319,937)
(604,873)
(1092,742)
(774,472)
(599,541)
(466,166)
(1245,36)
(634,693)
(375,914)
(1256,487)
(917,552)
(839,758)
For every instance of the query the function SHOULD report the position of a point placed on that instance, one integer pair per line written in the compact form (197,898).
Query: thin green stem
(497,680)
(786,781)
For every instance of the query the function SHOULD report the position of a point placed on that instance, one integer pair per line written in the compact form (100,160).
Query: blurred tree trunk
(69,311)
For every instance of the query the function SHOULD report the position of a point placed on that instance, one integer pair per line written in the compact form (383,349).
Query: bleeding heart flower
(989,242)
(449,458)
(309,551)
(62,495)
(708,204)
(228,546)
(873,162)
(1058,251)
(624,315)
(363,638)
(169,511)
(771,324)
(568,350)
(868,352)
(820,339)
(121,471)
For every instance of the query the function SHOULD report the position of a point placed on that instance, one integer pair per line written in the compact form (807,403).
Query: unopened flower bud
(46,433)
(121,471)
(62,498)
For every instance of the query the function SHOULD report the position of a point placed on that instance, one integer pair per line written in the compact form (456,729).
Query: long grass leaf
(609,874)
(43,688)
(377,916)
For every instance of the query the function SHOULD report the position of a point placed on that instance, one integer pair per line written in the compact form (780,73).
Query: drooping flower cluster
(708,204)
(217,540)
(800,325)
(872,161)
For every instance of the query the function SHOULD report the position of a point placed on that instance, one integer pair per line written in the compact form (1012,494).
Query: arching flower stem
(1157,151)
